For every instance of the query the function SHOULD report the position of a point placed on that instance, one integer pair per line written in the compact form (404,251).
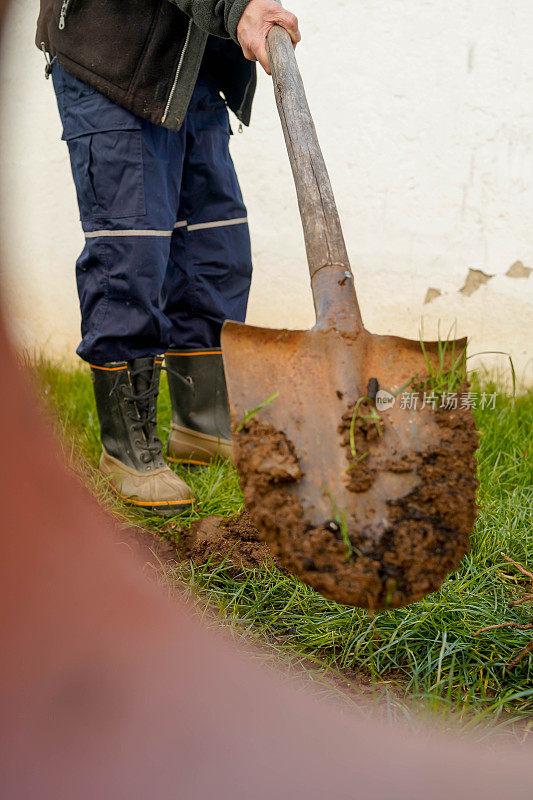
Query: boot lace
(141,416)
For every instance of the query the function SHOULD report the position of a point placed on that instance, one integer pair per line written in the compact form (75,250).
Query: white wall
(425,113)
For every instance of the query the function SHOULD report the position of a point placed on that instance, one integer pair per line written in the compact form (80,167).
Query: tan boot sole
(160,491)
(200,449)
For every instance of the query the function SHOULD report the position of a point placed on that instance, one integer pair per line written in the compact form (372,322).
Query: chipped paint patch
(518,270)
(475,279)
(431,294)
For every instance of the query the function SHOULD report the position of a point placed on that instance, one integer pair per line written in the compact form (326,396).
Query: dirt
(425,536)
(365,432)
(427,531)
(234,540)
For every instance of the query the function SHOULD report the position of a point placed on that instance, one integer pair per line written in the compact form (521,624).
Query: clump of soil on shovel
(428,529)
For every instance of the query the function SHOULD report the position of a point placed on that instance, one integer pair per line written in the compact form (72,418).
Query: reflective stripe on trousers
(167,247)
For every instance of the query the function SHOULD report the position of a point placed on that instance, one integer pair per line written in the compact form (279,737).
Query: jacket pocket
(118,32)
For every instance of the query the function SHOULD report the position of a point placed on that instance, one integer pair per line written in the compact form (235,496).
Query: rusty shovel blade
(369,502)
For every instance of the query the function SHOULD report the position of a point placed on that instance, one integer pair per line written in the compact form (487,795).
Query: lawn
(423,656)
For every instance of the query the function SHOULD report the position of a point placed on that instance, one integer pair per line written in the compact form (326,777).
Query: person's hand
(257,19)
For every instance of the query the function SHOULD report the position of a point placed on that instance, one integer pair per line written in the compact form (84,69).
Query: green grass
(448,374)
(426,652)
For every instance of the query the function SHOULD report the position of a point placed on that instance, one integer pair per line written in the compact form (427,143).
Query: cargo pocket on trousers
(107,167)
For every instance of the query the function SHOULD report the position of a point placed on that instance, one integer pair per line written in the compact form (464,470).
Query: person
(142,89)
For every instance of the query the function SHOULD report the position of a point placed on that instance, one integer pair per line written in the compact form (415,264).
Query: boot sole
(197,449)
(160,507)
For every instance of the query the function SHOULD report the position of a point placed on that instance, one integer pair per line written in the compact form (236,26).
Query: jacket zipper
(63,14)
(244,97)
(180,64)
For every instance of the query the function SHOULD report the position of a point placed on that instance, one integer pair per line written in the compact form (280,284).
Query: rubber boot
(126,401)
(200,429)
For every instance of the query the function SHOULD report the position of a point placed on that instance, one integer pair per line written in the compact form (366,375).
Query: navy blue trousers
(167,248)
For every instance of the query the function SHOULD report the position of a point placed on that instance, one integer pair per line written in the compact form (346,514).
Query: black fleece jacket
(145,55)
(217,17)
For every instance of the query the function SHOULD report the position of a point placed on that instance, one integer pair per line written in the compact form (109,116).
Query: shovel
(355,451)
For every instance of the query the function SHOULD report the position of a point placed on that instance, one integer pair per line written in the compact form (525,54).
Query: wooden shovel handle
(331,277)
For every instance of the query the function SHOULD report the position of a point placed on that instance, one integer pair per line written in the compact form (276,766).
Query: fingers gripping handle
(331,278)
